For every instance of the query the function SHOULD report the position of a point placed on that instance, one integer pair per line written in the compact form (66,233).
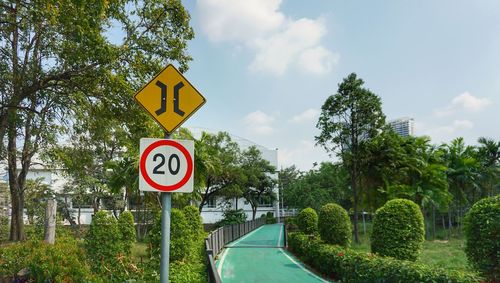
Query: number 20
(172,171)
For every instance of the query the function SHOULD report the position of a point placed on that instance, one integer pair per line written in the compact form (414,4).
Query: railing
(223,235)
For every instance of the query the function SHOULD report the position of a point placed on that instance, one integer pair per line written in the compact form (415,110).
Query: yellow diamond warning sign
(170,98)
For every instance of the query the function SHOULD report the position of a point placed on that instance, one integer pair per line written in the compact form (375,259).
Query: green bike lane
(259,257)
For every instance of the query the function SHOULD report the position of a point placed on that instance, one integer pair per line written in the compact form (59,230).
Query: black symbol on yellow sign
(163,103)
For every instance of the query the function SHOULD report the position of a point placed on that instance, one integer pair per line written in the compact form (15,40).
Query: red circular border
(150,181)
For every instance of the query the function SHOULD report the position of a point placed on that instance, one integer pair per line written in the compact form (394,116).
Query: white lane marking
(302,267)
(244,237)
(222,258)
(279,237)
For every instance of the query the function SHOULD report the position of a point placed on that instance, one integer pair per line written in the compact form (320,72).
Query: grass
(439,253)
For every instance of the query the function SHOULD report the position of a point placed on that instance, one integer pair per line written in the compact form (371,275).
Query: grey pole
(166,207)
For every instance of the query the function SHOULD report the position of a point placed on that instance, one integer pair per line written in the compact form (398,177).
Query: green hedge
(334,225)
(398,230)
(482,230)
(346,265)
(127,231)
(307,220)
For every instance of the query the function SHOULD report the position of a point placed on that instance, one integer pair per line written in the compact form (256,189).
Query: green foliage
(307,220)
(346,265)
(482,229)
(270,219)
(256,183)
(398,230)
(194,221)
(187,258)
(323,184)
(104,248)
(61,262)
(180,237)
(232,216)
(334,225)
(127,231)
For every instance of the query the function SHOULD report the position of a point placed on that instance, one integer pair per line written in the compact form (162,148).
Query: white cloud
(318,60)
(303,155)
(463,102)
(277,42)
(229,20)
(259,123)
(307,116)
(456,126)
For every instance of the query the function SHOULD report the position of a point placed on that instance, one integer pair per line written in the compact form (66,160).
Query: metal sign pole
(166,208)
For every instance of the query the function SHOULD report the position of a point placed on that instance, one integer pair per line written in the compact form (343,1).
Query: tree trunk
(433,222)
(355,204)
(16,192)
(50,221)
(254,212)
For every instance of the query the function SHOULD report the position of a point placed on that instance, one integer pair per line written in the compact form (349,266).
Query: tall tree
(56,57)
(258,182)
(488,155)
(351,115)
(217,167)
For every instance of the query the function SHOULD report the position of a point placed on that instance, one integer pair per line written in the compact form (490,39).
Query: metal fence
(223,235)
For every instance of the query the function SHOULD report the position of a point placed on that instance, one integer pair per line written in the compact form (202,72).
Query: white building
(404,126)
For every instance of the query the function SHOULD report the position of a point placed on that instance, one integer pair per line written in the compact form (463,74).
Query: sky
(267,66)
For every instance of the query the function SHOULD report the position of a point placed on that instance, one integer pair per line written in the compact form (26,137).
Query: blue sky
(267,66)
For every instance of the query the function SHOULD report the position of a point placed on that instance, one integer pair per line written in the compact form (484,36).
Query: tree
(57,59)
(258,183)
(317,187)
(351,115)
(216,165)
(488,155)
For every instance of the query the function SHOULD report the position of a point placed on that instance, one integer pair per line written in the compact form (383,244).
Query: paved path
(259,257)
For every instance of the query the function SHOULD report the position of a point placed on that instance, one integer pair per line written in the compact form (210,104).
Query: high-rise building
(403,126)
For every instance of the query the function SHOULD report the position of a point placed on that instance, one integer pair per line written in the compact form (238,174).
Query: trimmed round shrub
(127,231)
(334,225)
(482,231)
(398,230)
(307,220)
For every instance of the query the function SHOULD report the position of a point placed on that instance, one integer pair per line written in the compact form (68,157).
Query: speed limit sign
(166,165)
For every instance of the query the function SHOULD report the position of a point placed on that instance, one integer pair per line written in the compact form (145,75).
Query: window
(265,202)
(211,202)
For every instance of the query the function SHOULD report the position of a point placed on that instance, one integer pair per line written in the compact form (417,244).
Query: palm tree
(488,155)
(462,174)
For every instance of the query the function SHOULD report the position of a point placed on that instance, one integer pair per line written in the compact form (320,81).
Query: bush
(232,216)
(482,231)
(127,231)
(334,225)
(104,247)
(194,221)
(180,237)
(398,230)
(61,262)
(307,220)
(345,265)
(187,258)
(270,218)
